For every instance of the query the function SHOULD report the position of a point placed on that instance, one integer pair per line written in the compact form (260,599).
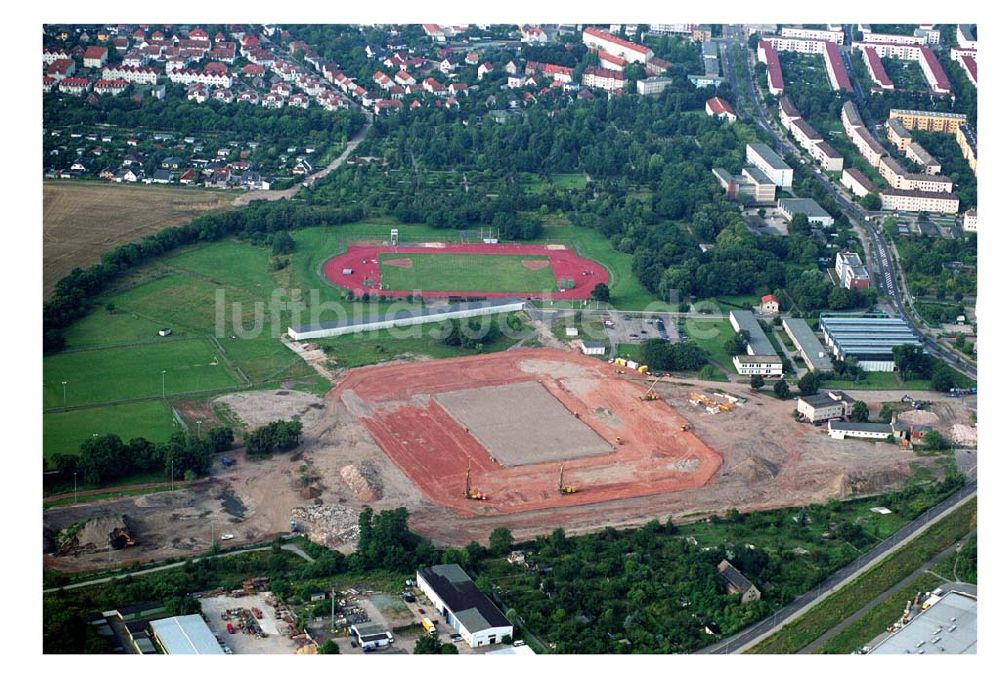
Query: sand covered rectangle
(522,423)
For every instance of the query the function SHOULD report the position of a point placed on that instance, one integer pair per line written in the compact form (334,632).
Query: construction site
(529,439)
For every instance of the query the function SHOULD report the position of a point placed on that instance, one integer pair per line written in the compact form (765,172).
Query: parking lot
(772,222)
(277,639)
(636,328)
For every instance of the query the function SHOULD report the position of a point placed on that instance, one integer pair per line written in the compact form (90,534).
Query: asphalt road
(754,633)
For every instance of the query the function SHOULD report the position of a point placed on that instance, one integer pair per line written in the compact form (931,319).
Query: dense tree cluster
(105,458)
(660,354)
(275,436)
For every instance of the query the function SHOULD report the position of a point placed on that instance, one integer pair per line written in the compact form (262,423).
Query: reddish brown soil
(434,450)
(534,264)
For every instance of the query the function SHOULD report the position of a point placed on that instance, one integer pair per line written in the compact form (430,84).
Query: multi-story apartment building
(813,34)
(595,38)
(856,182)
(931,121)
(917,201)
(765,159)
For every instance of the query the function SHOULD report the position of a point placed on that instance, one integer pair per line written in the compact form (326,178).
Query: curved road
(757,632)
(271,195)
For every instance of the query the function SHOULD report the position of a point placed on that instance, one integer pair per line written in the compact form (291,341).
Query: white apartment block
(969,224)
(765,159)
(813,34)
(916,201)
(856,182)
(762,365)
(136,75)
(896,39)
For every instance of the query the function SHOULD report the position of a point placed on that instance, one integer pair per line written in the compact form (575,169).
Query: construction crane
(564,488)
(650,394)
(470,493)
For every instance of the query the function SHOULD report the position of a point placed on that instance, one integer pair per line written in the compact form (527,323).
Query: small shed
(347,271)
(593,348)
(572,331)
(166,331)
(371,636)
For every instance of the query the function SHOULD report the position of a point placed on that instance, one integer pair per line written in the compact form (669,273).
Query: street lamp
(199,429)
(75,499)
(64,392)
(163,384)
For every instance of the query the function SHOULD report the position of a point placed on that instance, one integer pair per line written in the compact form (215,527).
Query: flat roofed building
(825,406)
(852,271)
(764,189)
(761,365)
(855,181)
(931,121)
(652,86)
(371,635)
(788,207)
(869,339)
(185,635)
(897,134)
(463,605)
(810,349)
(758,343)
(593,348)
(873,431)
(948,626)
(764,158)
(965,34)
(919,201)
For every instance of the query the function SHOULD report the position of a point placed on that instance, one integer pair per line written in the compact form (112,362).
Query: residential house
(737,583)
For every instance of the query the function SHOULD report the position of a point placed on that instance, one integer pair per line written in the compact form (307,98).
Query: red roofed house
(434,87)
(61,68)
(404,78)
(47,83)
(610,61)
(74,85)
(484,70)
(95,57)
(603,78)
(387,105)
(769,304)
(596,38)
(719,108)
(112,87)
(472,58)
(198,34)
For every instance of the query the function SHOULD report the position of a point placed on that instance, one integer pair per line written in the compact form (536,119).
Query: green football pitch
(466,272)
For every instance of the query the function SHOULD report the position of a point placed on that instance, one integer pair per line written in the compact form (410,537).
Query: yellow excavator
(470,493)
(565,488)
(651,394)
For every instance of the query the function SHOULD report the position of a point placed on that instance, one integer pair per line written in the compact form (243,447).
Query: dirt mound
(398,263)
(874,481)
(534,264)
(94,534)
(757,469)
(363,481)
(328,525)
(964,435)
(919,417)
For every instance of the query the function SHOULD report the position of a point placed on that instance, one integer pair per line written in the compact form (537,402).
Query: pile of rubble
(363,481)
(328,525)
(964,435)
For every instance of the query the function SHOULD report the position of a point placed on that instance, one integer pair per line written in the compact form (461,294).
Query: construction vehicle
(470,493)
(651,394)
(619,441)
(428,626)
(685,427)
(643,368)
(565,488)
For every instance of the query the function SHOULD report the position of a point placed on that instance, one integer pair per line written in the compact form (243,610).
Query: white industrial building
(407,318)
(765,159)
(464,607)
(744,320)
(760,365)
(593,347)
(872,431)
(869,339)
(371,635)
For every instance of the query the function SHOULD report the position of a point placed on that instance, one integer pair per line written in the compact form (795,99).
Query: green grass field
(64,432)
(465,272)
(372,347)
(125,373)
(711,335)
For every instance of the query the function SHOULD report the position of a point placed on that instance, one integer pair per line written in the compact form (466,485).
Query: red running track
(363,261)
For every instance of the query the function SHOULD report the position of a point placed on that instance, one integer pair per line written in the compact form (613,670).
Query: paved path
(271,195)
(757,632)
(816,646)
(290,547)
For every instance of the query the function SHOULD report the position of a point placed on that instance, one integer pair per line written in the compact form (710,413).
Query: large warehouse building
(463,605)
(810,349)
(869,339)
(185,635)
(758,343)
(406,318)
